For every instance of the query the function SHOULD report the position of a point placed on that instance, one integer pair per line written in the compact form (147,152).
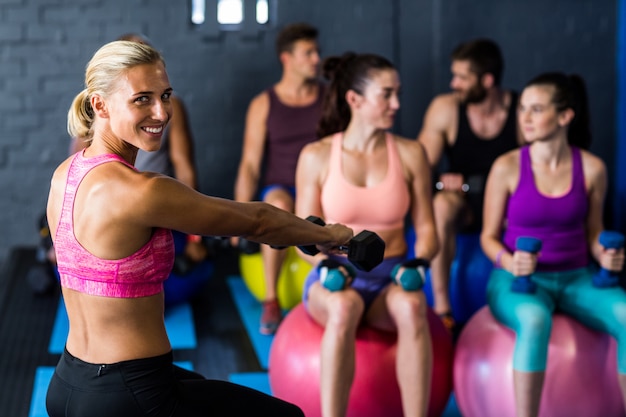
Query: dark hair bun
(332,65)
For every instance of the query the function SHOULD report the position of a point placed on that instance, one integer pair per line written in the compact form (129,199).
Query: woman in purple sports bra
(372,180)
(551,189)
(111,230)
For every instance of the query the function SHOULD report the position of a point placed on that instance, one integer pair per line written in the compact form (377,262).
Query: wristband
(498,262)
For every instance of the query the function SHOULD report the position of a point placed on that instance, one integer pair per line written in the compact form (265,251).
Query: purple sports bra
(138,275)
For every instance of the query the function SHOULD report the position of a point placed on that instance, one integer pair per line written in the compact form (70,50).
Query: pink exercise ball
(581,375)
(294,368)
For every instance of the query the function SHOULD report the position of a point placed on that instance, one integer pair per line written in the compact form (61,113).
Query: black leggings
(151,387)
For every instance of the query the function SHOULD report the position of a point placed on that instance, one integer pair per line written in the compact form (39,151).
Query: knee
(444,208)
(534,321)
(409,312)
(280,199)
(345,310)
(620,314)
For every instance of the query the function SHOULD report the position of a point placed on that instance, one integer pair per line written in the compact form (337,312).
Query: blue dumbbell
(523,283)
(605,278)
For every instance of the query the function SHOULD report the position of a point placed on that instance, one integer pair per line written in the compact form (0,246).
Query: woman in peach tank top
(367,178)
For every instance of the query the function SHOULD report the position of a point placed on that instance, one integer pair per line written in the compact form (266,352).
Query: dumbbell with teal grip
(413,276)
(332,277)
(523,283)
(605,278)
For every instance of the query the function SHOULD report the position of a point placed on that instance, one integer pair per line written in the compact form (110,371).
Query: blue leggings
(571,292)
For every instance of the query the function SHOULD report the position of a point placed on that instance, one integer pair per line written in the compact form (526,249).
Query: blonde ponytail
(80,116)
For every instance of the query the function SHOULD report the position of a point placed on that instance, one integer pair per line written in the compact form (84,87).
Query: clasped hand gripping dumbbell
(413,274)
(365,251)
(523,283)
(605,278)
(410,275)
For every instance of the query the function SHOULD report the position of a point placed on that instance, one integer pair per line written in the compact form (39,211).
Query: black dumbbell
(365,250)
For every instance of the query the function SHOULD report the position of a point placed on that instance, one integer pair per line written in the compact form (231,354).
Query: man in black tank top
(471,126)
(279,122)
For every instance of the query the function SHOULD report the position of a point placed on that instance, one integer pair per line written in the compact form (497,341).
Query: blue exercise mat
(250,312)
(255,380)
(179,325)
(43,375)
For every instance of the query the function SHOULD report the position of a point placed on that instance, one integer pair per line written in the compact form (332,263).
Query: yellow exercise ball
(290,281)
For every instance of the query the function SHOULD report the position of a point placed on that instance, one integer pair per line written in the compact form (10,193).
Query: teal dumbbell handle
(523,284)
(332,277)
(413,276)
(606,278)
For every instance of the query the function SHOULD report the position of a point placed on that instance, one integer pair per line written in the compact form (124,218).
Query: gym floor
(215,334)
(27,323)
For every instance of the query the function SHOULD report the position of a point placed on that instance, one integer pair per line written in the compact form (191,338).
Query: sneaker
(270,318)
(448,321)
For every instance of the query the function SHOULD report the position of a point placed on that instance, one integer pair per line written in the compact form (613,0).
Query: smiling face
(139,107)
(380,99)
(538,117)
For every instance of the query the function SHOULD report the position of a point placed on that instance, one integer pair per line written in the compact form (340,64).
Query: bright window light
(197,11)
(262,12)
(229,12)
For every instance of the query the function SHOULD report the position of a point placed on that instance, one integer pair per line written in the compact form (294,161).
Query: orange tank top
(381,207)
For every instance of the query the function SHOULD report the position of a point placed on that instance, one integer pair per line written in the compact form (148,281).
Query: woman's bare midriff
(106,330)
(395,242)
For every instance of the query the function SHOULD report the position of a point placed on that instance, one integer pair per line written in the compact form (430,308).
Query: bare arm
(596,182)
(181,145)
(439,118)
(117,209)
(253,148)
(310,173)
(502,179)
(415,161)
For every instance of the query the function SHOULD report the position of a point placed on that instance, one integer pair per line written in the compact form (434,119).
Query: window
(262,12)
(229,12)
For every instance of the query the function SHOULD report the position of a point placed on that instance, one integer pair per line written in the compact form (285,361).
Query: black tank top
(473,156)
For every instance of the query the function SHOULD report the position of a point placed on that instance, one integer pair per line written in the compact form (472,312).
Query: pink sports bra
(381,207)
(138,275)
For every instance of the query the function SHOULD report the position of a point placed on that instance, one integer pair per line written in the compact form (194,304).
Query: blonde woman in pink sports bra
(365,177)
(111,230)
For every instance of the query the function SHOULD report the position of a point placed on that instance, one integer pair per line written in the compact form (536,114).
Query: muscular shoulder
(260,103)
(317,151)
(412,155)
(506,164)
(443,109)
(408,148)
(314,159)
(593,166)
(439,122)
